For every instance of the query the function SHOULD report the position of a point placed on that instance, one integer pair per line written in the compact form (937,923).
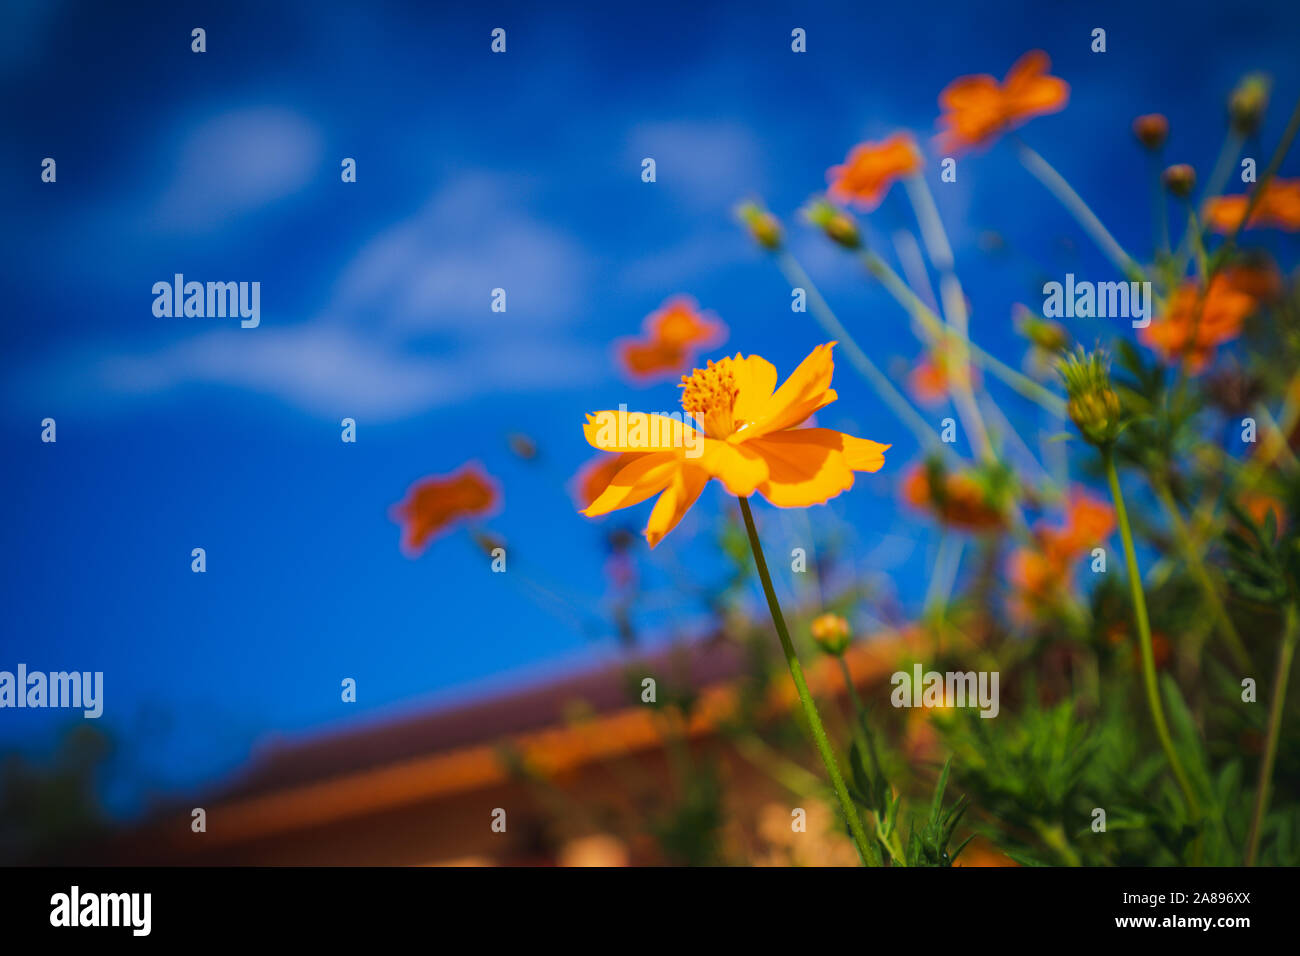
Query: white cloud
(708,163)
(234,163)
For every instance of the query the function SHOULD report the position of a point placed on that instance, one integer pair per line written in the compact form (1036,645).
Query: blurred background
(475,171)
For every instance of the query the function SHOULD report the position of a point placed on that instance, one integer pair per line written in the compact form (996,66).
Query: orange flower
(960,500)
(595,476)
(977,109)
(1195,325)
(1042,574)
(871,169)
(672,335)
(749,441)
(432,505)
(929,380)
(1278,207)
(831,632)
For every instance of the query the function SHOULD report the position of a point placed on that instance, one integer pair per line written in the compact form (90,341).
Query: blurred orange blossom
(871,169)
(750,442)
(1194,324)
(432,505)
(672,335)
(977,109)
(1278,206)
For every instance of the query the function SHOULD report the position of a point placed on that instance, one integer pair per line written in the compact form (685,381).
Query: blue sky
(475,171)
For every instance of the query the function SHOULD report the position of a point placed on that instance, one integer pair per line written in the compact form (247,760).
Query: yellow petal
(645,476)
(807,389)
(806,466)
(637,432)
(740,469)
(755,383)
(862,454)
(676,500)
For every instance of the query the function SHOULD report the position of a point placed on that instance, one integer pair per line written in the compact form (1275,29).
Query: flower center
(710,395)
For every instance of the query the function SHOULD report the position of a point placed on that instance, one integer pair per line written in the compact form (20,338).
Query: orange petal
(638,432)
(809,466)
(755,382)
(806,390)
(739,468)
(676,500)
(645,476)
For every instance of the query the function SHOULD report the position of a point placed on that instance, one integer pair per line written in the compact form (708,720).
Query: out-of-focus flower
(977,109)
(871,169)
(600,849)
(1093,405)
(1258,505)
(1151,130)
(1248,102)
(1042,574)
(1179,179)
(1278,207)
(1257,277)
(764,228)
(958,498)
(432,505)
(930,381)
(832,633)
(673,335)
(822,843)
(1161,648)
(680,322)
(1195,324)
(838,225)
(750,442)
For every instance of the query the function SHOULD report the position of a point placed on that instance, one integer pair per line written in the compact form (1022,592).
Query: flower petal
(755,383)
(806,390)
(739,468)
(643,477)
(806,466)
(638,432)
(676,500)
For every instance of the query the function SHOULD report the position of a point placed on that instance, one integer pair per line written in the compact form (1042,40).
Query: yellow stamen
(710,395)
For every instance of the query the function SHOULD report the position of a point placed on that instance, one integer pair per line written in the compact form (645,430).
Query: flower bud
(764,228)
(1047,335)
(1248,102)
(838,225)
(1180,180)
(831,632)
(1151,130)
(1093,405)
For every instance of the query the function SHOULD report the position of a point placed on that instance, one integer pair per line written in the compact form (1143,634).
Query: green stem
(1046,174)
(865,847)
(1144,637)
(1192,555)
(796,276)
(934,326)
(1285,656)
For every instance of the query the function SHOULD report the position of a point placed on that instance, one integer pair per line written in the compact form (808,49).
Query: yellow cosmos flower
(750,441)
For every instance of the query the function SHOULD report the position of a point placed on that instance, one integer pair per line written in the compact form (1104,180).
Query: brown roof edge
(551,750)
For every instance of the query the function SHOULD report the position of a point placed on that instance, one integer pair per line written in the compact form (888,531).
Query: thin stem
(934,327)
(954,309)
(865,847)
(1046,174)
(1144,637)
(1285,656)
(1192,554)
(798,278)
